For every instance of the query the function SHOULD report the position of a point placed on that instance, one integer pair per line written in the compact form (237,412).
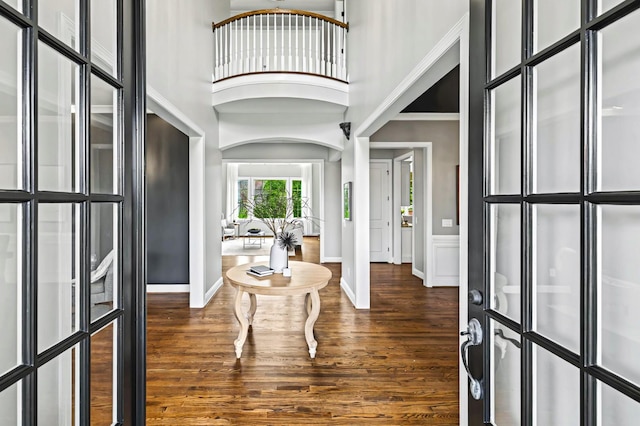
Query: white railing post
(317,55)
(344,54)
(304,47)
(283,67)
(255,46)
(246,61)
(334,68)
(323,63)
(290,48)
(227,48)
(215,53)
(297,45)
(275,42)
(267,52)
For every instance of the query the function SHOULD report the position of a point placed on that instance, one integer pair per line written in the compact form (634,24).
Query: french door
(71,129)
(554,332)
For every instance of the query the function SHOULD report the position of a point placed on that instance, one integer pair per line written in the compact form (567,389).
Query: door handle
(474,338)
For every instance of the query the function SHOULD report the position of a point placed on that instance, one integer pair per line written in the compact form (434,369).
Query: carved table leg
(307,303)
(252,308)
(314,298)
(244,324)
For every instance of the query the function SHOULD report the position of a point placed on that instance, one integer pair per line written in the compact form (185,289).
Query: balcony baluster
(279,40)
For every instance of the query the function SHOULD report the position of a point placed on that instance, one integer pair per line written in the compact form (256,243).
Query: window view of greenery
(243,194)
(296,195)
(270,198)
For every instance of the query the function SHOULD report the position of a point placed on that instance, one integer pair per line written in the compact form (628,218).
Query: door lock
(475,297)
(474,338)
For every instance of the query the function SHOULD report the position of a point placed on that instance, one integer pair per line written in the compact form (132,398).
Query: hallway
(395,364)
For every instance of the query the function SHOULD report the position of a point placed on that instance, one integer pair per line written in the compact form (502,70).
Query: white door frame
(427,196)
(196,287)
(389,164)
(320,207)
(455,43)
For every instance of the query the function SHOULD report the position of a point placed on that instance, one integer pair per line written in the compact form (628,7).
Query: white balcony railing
(280,40)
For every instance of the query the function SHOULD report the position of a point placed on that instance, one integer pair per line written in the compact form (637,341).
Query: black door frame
(588,197)
(130,314)
(477,75)
(134,239)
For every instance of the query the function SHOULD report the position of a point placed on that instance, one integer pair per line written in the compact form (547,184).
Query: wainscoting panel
(445,261)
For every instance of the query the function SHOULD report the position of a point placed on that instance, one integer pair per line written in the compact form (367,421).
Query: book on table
(260,270)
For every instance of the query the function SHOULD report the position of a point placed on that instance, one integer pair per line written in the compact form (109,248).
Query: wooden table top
(304,277)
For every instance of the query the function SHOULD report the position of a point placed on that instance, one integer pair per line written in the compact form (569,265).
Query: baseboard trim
(331,260)
(168,288)
(212,291)
(417,273)
(347,290)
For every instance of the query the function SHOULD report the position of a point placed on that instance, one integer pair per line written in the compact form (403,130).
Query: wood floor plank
(394,364)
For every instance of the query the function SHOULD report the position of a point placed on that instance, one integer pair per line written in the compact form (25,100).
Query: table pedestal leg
(312,302)
(244,323)
(252,309)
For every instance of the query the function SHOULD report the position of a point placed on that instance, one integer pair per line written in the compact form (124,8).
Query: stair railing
(280,41)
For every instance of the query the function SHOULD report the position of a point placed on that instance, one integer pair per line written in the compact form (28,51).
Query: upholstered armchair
(228,231)
(102,280)
(297,229)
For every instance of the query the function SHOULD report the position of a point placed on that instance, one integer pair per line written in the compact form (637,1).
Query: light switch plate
(447,223)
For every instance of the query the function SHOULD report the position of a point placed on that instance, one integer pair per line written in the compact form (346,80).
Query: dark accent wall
(167,203)
(444,96)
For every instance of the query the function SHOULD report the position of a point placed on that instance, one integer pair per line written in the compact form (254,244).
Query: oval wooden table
(306,278)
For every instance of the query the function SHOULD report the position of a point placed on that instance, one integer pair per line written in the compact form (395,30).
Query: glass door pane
(11,163)
(505,149)
(104,259)
(619,109)
(556,269)
(617,409)
(505,35)
(104,137)
(61,18)
(58,390)
(556,151)
(103,368)
(505,260)
(505,373)
(619,290)
(58,272)
(103,34)
(557,390)
(11,298)
(10,404)
(57,124)
(606,5)
(554,20)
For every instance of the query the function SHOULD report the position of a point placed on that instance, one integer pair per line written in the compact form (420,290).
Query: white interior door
(379,214)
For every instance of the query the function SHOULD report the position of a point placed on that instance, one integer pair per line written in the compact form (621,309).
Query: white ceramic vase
(278,258)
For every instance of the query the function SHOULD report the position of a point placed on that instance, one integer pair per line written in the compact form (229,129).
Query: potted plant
(280,212)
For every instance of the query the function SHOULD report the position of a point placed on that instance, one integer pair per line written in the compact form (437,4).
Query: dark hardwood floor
(395,364)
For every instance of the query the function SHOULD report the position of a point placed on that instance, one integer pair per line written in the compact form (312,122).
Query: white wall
(332,211)
(179,67)
(386,42)
(322,129)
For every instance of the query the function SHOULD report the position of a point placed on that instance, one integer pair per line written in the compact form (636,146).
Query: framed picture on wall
(346,201)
